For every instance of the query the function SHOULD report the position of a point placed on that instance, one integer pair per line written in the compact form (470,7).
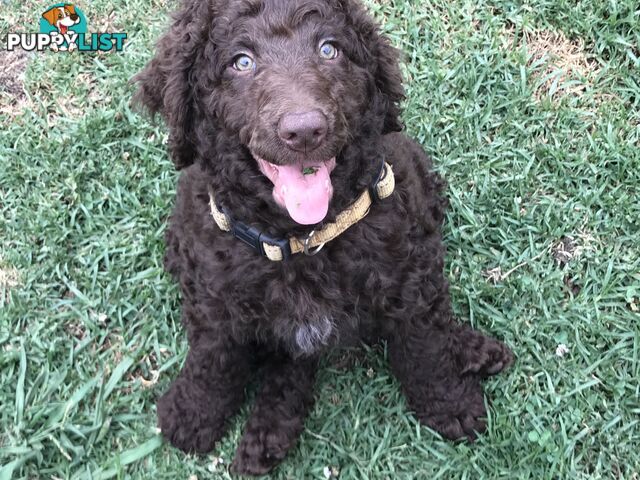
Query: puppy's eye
(244,63)
(328,51)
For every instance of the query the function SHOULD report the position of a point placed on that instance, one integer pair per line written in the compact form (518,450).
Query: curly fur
(382,279)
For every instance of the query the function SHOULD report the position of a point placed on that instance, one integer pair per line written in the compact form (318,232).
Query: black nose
(73,17)
(303,132)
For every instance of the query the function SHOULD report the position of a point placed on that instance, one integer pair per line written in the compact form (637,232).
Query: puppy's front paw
(187,417)
(260,450)
(458,411)
(484,355)
(454,426)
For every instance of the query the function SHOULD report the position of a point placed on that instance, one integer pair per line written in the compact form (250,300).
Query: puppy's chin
(303,188)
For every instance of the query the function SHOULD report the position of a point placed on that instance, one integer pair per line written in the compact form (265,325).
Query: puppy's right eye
(244,63)
(328,50)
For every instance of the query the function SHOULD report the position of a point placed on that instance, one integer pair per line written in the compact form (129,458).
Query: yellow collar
(278,250)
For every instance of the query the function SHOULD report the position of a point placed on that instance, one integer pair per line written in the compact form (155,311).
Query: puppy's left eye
(328,51)
(244,63)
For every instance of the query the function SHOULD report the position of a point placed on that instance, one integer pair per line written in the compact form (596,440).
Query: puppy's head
(294,81)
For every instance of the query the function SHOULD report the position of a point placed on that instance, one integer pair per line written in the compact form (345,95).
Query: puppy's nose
(303,132)
(74,17)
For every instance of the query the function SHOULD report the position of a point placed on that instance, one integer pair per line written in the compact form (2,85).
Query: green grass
(535,159)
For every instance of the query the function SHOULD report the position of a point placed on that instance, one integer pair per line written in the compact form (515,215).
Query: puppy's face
(288,82)
(292,81)
(283,67)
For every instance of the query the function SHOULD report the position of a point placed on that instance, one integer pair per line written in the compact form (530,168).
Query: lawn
(531,110)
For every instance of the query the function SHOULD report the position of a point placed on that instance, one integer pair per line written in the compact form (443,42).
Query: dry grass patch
(105,22)
(9,278)
(560,65)
(571,247)
(13,97)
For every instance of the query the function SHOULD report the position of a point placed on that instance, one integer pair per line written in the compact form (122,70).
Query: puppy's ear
(51,16)
(376,52)
(167,86)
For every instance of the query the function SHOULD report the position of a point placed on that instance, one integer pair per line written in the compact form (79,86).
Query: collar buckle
(255,239)
(247,235)
(282,243)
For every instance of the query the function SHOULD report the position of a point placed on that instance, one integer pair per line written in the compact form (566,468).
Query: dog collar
(279,249)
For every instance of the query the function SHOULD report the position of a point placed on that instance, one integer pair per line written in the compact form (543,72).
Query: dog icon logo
(63,20)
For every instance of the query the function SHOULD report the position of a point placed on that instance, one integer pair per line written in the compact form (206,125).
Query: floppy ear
(166,85)
(51,16)
(381,58)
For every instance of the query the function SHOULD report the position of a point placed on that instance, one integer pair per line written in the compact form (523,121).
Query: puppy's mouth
(303,188)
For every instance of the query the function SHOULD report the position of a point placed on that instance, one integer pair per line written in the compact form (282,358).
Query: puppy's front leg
(193,413)
(284,399)
(440,364)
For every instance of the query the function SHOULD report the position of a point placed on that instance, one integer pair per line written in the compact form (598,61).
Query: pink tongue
(303,189)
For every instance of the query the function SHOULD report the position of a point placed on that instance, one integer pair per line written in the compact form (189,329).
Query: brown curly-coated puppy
(285,110)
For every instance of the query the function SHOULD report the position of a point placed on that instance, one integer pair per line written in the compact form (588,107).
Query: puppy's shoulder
(192,212)
(419,188)
(404,152)
(192,191)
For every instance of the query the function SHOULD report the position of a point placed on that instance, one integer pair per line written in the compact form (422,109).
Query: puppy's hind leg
(277,419)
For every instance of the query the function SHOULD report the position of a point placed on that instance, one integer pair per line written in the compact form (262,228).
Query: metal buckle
(310,253)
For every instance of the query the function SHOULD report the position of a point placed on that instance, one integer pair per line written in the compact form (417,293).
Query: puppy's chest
(310,314)
(313,303)
(309,322)
(312,335)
